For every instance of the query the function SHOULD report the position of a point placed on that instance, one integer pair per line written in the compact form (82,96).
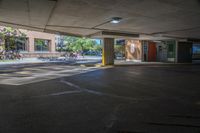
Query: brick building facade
(34,44)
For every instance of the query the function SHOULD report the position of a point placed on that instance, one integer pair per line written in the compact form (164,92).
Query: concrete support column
(52,46)
(108,51)
(31,45)
(184,52)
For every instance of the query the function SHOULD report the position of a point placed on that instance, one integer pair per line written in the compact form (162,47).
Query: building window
(171,49)
(41,45)
(60,44)
(21,44)
(196,49)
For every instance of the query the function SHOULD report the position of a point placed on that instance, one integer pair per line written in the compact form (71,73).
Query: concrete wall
(32,35)
(133,50)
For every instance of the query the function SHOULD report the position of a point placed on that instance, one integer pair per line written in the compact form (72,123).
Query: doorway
(152,52)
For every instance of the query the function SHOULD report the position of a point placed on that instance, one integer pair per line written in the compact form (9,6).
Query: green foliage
(10,35)
(98,48)
(41,45)
(119,49)
(11,32)
(39,42)
(76,44)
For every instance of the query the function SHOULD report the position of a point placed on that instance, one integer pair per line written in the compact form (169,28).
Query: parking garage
(144,97)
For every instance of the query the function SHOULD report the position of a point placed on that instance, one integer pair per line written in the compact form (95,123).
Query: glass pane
(171,49)
(196,49)
(41,45)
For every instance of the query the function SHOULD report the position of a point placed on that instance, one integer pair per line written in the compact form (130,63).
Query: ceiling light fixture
(116,20)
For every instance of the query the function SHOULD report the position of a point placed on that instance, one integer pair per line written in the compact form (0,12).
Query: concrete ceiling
(170,18)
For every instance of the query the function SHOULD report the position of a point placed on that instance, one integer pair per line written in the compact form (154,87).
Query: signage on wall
(132,49)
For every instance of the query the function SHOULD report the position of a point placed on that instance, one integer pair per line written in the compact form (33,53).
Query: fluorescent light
(116,20)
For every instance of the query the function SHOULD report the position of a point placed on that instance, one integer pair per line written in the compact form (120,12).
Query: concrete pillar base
(108,51)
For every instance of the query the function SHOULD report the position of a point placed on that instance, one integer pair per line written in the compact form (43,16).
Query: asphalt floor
(59,98)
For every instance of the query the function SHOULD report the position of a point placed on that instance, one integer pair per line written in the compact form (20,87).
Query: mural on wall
(133,49)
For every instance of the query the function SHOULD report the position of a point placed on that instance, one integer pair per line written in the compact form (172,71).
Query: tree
(39,43)
(10,35)
(85,44)
(70,42)
(119,49)
(98,48)
(76,44)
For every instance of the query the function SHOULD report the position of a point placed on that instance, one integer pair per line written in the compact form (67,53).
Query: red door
(152,51)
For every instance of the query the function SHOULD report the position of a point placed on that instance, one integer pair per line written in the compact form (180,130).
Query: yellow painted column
(108,51)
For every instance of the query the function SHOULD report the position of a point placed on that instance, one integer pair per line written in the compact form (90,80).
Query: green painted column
(108,51)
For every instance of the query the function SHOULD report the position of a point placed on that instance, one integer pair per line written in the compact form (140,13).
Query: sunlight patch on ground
(32,75)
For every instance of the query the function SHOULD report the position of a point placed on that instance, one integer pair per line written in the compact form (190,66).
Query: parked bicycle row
(65,56)
(10,55)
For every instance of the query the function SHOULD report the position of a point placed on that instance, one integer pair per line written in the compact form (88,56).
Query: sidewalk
(81,60)
(36,60)
(24,61)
